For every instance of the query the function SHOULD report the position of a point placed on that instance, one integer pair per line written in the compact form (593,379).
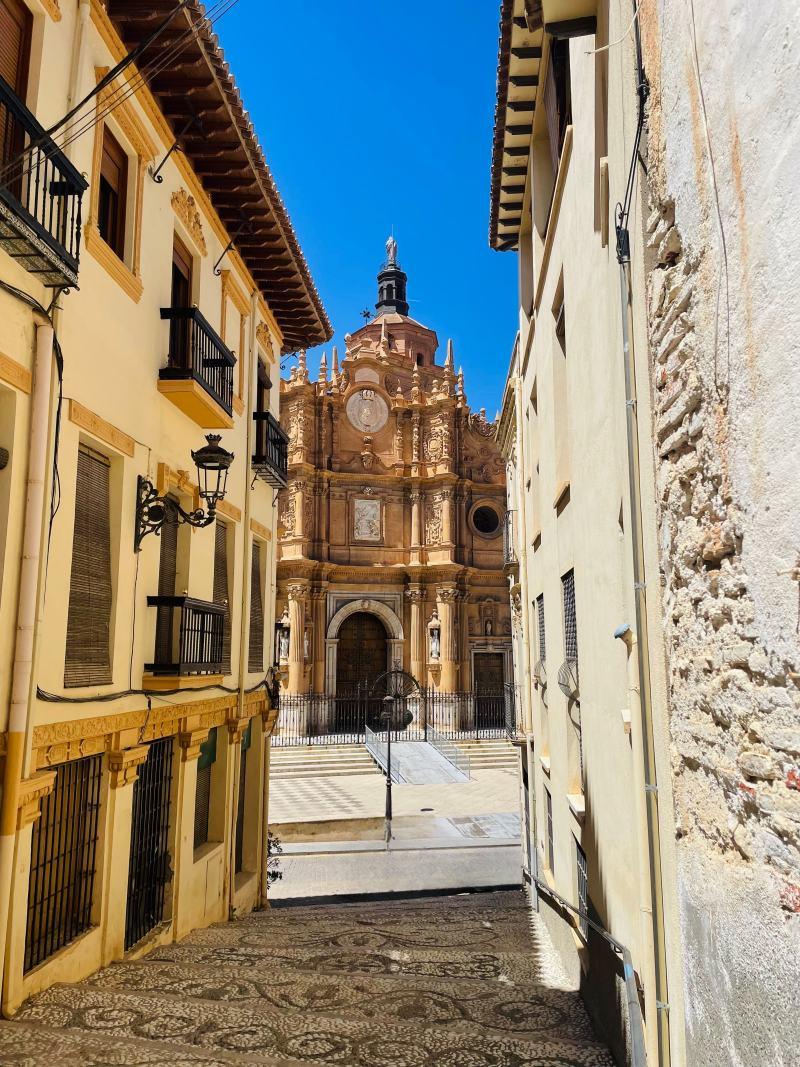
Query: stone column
(416,525)
(447,516)
(319,598)
(296,595)
(300,531)
(446,601)
(415,595)
(463,640)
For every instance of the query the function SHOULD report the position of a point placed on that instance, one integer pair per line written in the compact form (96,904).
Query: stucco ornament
(367,411)
(185,208)
(367,521)
(433,524)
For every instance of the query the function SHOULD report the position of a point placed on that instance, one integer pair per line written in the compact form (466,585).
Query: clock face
(367,411)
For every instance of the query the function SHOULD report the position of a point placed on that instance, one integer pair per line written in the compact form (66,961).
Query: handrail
(377,749)
(638,1053)
(449,750)
(270,457)
(197,351)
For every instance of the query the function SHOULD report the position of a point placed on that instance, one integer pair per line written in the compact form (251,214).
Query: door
(489,698)
(149,869)
(360,659)
(15,40)
(181,299)
(166,653)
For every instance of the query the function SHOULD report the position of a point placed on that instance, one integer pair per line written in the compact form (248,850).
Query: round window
(485,520)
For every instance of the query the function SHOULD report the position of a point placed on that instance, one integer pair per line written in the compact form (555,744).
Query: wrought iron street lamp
(154,510)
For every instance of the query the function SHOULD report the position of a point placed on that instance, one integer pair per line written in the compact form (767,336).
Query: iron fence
(322,719)
(196,351)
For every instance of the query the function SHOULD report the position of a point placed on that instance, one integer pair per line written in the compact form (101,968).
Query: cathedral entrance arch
(361,655)
(358,651)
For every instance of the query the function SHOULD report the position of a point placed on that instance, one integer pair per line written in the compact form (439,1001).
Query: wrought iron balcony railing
(271,450)
(197,352)
(189,636)
(509,549)
(40,196)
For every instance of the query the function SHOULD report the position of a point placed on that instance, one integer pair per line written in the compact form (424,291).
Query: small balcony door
(179,349)
(15,46)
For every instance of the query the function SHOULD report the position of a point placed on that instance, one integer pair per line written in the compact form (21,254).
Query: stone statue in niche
(488,628)
(367,520)
(283,638)
(435,642)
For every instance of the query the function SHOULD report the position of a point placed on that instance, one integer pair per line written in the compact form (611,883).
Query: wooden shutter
(167,576)
(221,593)
(557,99)
(202,796)
(15,36)
(255,659)
(113,193)
(88,658)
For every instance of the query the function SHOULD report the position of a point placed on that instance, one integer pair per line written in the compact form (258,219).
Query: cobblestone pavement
(460,981)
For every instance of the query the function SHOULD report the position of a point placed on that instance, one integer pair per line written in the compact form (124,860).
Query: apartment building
(150,280)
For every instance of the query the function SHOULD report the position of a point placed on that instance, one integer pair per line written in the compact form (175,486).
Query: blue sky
(375,115)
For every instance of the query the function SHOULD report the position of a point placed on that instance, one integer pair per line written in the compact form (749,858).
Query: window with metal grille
(570,621)
(202,798)
(550,858)
(540,623)
(245,747)
(149,864)
(63,851)
(255,657)
(583,888)
(221,590)
(88,654)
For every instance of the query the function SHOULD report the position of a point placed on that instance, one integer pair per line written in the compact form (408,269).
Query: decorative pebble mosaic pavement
(462,981)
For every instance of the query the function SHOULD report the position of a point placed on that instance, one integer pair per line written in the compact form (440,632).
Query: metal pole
(388,782)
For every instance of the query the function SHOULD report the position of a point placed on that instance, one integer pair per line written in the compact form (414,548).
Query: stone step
(448,905)
(318,771)
(213,1026)
(383,932)
(526,1010)
(40,1044)
(519,966)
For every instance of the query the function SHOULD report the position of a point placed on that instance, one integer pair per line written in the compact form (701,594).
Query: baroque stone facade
(394,509)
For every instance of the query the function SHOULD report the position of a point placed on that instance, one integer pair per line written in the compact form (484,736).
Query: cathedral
(391,525)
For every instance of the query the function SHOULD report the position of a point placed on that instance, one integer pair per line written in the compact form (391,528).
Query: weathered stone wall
(722,237)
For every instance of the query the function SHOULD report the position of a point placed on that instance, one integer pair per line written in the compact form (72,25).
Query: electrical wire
(85,123)
(104,81)
(57,698)
(619,40)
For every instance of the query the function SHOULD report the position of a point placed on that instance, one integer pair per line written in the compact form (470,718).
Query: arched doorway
(362,653)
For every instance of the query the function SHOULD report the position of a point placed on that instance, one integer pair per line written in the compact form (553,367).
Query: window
(570,621)
(88,654)
(15,37)
(550,857)
(485,520)
(202,798)
(242,796)
(557,98)
(540,626)
(112,194)
(63,849)
(221,590)
(582,882)
(263,386)
(255,657)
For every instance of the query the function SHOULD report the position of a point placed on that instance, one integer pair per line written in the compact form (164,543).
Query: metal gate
(149,870)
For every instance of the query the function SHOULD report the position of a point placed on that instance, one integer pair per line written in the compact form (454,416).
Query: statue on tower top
(391,251)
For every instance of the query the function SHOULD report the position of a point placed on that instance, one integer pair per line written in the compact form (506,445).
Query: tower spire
(392,284)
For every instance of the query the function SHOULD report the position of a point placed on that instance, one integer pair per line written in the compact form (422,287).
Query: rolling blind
(167,575)
(15,23)
(255,659)
(221,592)
(88,660)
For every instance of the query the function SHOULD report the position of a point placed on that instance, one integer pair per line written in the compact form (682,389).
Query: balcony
(198,377)
(188,643)
(40,200)
(270,456)
(510,560)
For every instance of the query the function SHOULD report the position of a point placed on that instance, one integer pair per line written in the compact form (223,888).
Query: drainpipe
(246,554)
(651,893)
(20,724)
(77,50)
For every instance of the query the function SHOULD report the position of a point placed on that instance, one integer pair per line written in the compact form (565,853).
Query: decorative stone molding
(185,207)
(124,765)
(415,596)
(296,591)
(260,530)
(15,374)
(264,339)
(53,10)
(269,718)
(236,727)
(190,742)
(31,793)
(447,595)
(100,428)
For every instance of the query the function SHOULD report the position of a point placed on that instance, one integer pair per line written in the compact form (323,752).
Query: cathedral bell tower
(392,284)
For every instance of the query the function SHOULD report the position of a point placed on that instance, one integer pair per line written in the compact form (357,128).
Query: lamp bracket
(154,511)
